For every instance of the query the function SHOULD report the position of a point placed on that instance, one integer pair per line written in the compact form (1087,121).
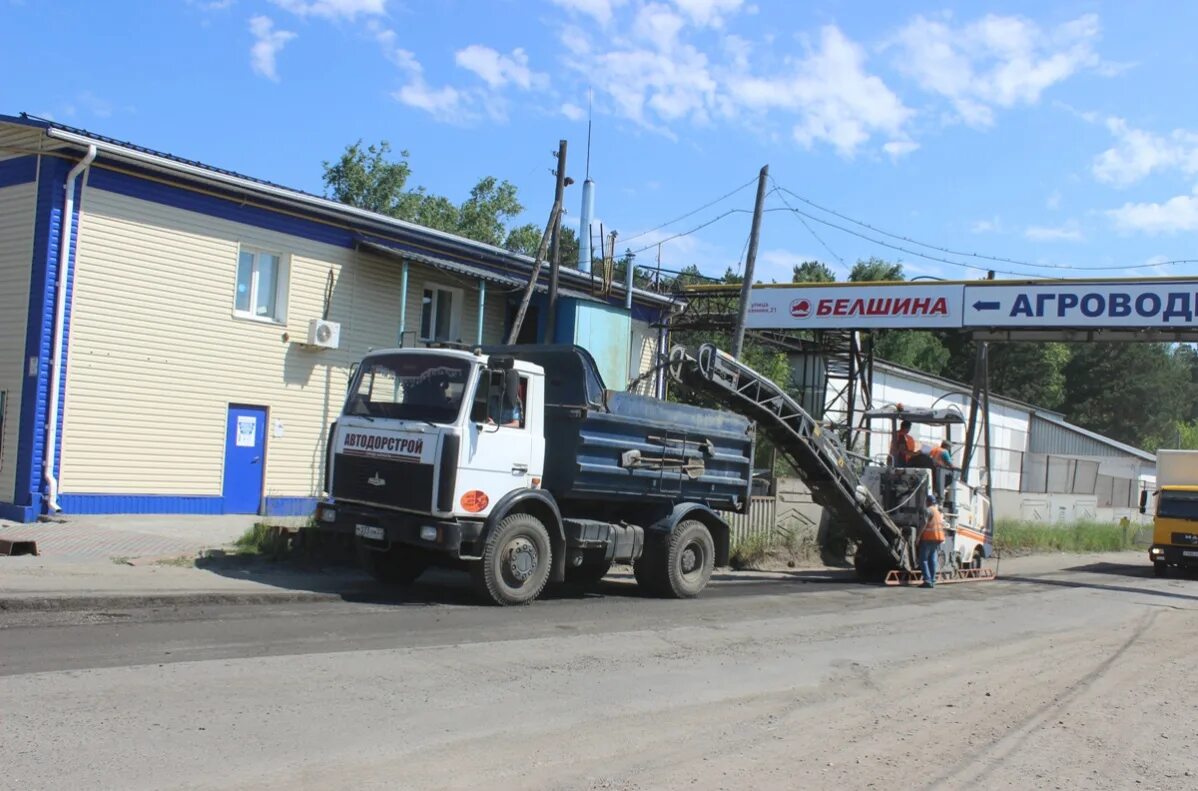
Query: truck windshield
(1178,505)
(425,387)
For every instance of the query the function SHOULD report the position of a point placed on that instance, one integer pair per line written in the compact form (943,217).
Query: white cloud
(573,111)
(1179,213)
(444,103)
(709,13)
(836,100)
(1137,153)
(334,9)
(1053,201)
(268,43)
(601,10)
(986,226)
(1062,233)
(499,70)
(900,148)
(996,61)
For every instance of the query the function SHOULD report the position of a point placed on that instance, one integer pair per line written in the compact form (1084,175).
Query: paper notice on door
(247,429)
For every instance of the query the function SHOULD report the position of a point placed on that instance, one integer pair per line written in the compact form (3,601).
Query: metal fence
(761,520)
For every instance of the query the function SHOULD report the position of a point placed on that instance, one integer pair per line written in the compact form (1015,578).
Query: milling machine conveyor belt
(815,454)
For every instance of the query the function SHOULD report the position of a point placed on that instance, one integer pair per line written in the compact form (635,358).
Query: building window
(440,314)
(261,285)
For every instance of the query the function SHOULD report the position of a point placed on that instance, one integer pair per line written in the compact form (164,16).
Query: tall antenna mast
(589,103)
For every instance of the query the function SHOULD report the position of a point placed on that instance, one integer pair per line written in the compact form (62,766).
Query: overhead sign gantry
(1145,309)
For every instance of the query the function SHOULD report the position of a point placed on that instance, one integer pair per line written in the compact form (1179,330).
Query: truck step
(900,577)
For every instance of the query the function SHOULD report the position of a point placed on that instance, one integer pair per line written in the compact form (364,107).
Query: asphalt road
(811,680)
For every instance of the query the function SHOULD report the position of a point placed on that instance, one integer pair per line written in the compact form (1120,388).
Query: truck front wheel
(516,561)
(690,560)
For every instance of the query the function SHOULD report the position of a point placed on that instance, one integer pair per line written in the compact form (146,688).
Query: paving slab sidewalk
(91,562)
(126,561)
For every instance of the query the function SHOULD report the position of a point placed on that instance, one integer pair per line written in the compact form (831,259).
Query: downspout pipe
(67,226)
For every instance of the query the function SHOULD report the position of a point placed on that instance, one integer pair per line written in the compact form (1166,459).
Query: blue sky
(1057,134)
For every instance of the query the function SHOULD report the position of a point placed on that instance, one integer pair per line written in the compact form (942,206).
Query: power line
(692,212)
(949,251)
(712,221)
(810,230)
(908,251)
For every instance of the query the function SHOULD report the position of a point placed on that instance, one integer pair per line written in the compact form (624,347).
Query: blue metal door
(245,456)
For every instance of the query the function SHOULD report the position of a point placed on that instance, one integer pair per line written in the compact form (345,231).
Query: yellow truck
(1175,522)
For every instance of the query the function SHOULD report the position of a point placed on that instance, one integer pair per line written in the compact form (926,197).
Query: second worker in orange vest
(930,539)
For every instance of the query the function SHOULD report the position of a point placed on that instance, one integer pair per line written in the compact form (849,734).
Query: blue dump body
(609,451)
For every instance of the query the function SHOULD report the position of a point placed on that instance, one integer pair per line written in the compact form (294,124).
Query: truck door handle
(519,469)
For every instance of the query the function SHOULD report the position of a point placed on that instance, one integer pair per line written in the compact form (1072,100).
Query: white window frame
(457,304)
(281,285)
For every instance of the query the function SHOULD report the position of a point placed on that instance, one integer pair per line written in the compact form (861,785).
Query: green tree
(812,272)
(1133,392)
(527,238)
(876,270)
(369,179)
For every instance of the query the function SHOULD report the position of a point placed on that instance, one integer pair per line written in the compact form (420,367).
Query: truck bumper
(1174,555)
(454,537)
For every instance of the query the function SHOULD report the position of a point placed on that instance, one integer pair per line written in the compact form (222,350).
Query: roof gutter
(324,205)
(67,227)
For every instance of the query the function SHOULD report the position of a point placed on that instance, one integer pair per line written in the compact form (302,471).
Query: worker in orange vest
(902,445)
(930,539)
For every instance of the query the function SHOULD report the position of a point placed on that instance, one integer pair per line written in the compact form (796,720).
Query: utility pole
(738,339)
(555,256)
(514,334)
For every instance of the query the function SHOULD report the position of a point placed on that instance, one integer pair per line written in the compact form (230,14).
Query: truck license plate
(369,531)
(1190,553)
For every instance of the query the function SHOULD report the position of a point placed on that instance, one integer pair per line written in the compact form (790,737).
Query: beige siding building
(190,297)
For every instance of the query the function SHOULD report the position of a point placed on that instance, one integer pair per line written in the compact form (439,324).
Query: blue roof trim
(428,240)
(20,170)
(225,207)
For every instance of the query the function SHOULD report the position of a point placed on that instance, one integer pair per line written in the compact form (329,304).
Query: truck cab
(1175,519)
(479,459)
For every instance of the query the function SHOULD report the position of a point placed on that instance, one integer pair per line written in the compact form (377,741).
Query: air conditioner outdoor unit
(324,334)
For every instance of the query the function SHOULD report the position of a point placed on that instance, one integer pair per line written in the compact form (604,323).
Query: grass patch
(1022,537)
(264,540)
(751,552)
(784,546)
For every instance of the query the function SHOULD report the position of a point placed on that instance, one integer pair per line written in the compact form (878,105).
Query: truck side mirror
(488,399)
(1143,500)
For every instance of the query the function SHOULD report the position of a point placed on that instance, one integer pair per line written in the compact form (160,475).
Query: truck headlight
(1157,551)
(328,514)
(428,533)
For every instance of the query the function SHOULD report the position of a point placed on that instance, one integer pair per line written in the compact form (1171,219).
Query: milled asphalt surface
(609,690)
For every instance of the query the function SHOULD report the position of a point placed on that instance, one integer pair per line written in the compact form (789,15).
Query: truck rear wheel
(516,561)
(398,565)
(689,560)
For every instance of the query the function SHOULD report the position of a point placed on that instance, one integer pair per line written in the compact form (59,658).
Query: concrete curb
(67,602)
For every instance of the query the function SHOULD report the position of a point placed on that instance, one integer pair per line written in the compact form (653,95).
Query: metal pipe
(584,226)
(403,301)
(482,301)
(66,231)
(628,281)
